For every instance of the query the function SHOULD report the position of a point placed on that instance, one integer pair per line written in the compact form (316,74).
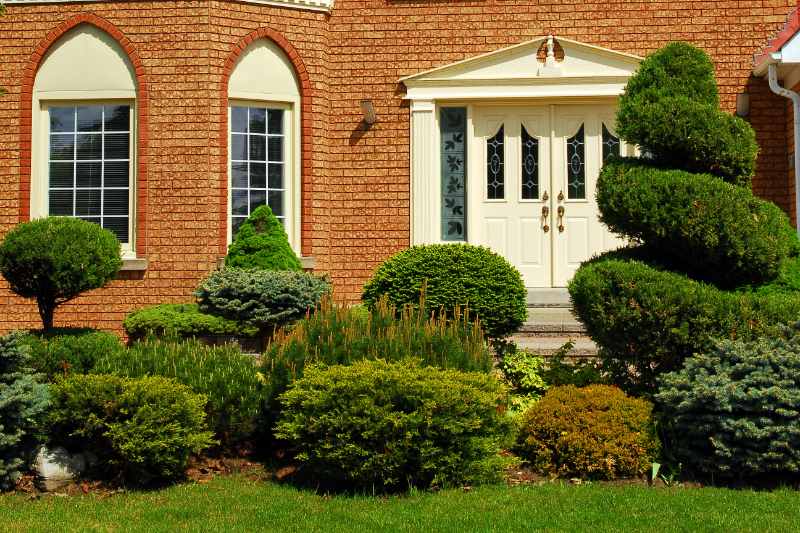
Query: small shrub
(596,432)
(522,371)
(392,426)
(260,298)
(61,352)
(22,402)
(734,412)
(648,320)
(580,372)
(222,373)
(55,259)
(181,320)
(338,335)
(261,242)
(454,275)
(713,230)
(140,429)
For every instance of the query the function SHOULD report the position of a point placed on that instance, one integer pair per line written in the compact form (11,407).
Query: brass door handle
(561,219)
(545,214)
(560,196)
(545,197)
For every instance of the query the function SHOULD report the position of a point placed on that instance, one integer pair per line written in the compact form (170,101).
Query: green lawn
(236,503)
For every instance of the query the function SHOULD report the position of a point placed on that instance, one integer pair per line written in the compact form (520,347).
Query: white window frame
(291,166)
(40,173)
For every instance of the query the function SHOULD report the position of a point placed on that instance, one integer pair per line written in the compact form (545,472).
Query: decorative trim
(142,107)
(325,6)
(306,100)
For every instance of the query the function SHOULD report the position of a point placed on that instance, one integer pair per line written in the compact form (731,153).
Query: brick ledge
(311,5)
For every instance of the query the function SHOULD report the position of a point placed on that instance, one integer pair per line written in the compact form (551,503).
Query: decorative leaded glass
(453,129)
(89,163)
(530,166)
(576,166)
(257,162)
(610,144)
(495,166)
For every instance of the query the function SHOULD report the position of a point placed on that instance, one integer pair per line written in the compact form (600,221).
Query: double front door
(533,172)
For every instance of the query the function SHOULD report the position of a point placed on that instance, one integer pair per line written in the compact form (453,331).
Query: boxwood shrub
(712,229)
(454,275)
(181,320)
(141,430)
(61,352)
(733,413)
(647,320)
(594,432)
(380,426)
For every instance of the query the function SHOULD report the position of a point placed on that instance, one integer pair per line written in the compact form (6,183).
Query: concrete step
(548,345)
(551,321)
(548,297)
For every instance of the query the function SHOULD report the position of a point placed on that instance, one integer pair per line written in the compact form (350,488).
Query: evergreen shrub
(381,426)
(261,242)
(61,352)
(183,321)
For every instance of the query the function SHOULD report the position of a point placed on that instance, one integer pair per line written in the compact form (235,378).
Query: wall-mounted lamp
(742,105)
(368,109)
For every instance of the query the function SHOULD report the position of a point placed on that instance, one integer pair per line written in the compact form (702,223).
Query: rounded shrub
(181,320)
(734,412)
(23,401)
(379,426)
(261,242)
(55,259)
(594,432)
(453,275)
(263,299)
(711,229)
(61,352)
(142,430)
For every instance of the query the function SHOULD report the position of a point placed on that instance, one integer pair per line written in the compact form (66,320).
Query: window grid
(576,166)
(611,145)
(530,166)
(116,223)
(495,166)
(258,162)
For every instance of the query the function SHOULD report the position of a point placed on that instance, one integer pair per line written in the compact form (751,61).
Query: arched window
(84,133)
(264,141)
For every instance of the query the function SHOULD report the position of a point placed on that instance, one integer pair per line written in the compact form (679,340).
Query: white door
(532,183)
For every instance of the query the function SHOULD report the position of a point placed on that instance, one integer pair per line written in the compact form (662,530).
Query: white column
(424,177)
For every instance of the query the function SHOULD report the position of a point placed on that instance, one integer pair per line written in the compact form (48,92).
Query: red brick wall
(356,182)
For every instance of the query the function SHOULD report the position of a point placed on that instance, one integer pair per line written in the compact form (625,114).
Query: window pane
(576,167)
(257,198)
(276,202)
(89,146)
(118,226)
(258,175)
(87,202)
(239,119)
(530,166)
(117,117)
(62,147)
(62,119)
(239,202)
(257,148)
(495,163)
(239,147)
(236,222)
(90,118)
(258,120)
(275,176)
(275,120)
(115,174)
(116,146)
(60,203)
(239,175)
(610,144)
(115,202)
(276,149)
(453,168)
(61,174)
(88,174)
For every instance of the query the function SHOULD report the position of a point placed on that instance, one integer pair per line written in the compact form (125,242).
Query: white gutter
(795,98)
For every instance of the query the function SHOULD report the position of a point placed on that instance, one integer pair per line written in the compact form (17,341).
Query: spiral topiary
(704,247)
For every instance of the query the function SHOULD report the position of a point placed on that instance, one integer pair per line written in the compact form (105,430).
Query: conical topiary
(261,242)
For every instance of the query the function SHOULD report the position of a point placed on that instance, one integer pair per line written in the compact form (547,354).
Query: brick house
(167,121)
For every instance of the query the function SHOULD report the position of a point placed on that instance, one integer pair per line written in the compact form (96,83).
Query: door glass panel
(453,129)
(576,166)
(610,144)
(495,172)
(530,166)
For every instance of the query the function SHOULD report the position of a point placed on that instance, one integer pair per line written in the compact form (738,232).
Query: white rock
(57,468)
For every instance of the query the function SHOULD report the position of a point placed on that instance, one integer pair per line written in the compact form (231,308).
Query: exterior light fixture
(742,105)
(368,109)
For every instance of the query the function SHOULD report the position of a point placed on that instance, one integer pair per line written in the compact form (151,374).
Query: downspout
(795,98)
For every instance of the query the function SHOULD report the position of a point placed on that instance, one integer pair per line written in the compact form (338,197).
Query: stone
(57,468)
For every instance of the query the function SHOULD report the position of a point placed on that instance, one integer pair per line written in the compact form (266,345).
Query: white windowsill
(133,264)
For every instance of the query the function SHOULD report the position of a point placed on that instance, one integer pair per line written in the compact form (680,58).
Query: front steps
(550,325)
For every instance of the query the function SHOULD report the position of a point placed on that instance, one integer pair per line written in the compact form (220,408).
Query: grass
(236,503)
